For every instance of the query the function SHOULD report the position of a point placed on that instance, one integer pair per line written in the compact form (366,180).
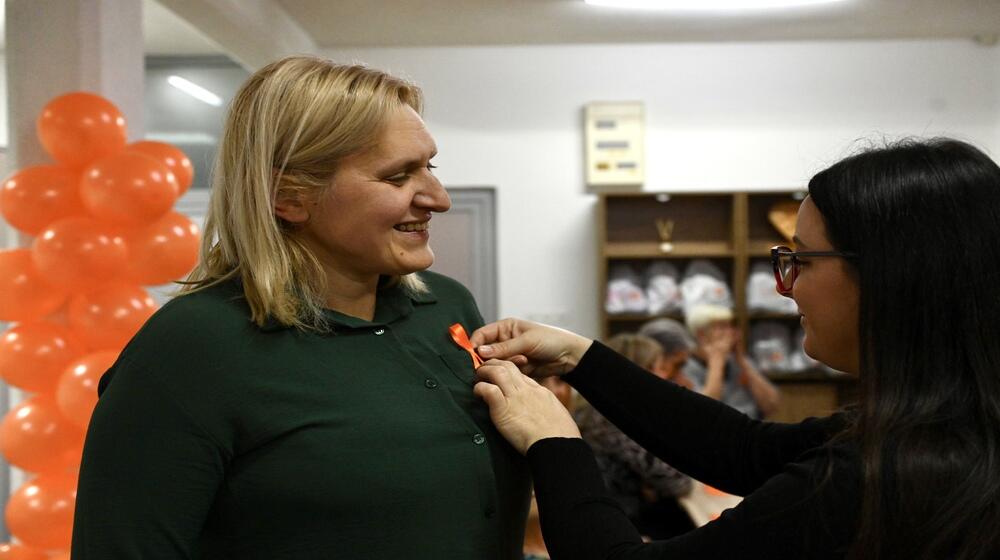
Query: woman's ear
(289,205)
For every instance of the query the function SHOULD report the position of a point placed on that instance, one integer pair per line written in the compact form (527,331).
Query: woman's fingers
(524,345)
(538,350)
(521,409)
(490,393)
(504,375)
(497,331)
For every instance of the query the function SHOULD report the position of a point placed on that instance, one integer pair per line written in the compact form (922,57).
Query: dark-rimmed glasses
(786,265)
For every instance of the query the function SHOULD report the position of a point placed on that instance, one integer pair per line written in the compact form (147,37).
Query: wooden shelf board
(681,250)
(762,247)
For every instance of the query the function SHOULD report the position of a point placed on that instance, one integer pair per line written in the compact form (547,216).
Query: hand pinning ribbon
(458,334)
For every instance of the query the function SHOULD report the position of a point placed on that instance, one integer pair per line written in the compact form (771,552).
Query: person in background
(646,487)
(720,366)
(895,272)
(677,346)
(304,399)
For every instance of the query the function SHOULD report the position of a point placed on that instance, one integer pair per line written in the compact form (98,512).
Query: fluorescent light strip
(182,137)
(195,91)
(706,5)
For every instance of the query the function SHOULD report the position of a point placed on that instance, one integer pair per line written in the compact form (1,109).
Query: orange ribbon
(457,332)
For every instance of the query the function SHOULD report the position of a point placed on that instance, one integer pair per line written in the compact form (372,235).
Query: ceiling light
(707,5)
(195,91)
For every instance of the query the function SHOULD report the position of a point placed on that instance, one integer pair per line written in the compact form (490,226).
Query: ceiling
(518,22)
(167,34)
(400,23)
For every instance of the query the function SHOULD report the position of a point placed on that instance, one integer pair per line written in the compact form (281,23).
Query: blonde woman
(303,398)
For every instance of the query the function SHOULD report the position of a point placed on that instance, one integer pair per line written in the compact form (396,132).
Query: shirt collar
(391,304)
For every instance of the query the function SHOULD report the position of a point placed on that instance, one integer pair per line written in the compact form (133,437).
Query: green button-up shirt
(219,439)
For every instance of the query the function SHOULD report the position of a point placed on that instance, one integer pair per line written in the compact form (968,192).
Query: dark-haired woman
(896,273)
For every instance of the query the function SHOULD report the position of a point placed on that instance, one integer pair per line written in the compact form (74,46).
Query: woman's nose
(433,196)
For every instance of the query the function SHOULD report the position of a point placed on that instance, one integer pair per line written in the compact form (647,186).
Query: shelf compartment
(695,218)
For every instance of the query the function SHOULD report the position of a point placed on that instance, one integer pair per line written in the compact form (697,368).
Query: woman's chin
(810,351)
(836,363)
(414,263)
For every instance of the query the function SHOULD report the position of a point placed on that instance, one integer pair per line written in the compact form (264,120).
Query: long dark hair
(924,218)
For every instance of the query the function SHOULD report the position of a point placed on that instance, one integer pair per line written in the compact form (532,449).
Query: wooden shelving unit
(732,230)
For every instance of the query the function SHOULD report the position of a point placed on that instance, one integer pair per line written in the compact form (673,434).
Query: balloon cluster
(103,225)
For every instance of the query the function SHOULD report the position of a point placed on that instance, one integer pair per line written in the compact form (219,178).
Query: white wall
(3,100)
(6,233)
(719,116)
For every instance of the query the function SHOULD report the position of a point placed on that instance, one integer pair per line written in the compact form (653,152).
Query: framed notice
(615,137)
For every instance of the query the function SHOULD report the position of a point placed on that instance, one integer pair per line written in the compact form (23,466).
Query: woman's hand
(717,342)
(539,350)
(521,409)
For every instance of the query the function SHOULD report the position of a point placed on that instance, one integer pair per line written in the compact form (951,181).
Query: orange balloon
(40,513)
(106,318)
(24,294)
(34,436)
(77,391)
(33,356)
(79,253)
(78,128)
(60,556)
(163,251)
(171,156)
(13,551)
(36,196)
(129,188)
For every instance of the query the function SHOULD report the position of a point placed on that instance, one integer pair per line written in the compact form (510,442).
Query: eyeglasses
(786,265)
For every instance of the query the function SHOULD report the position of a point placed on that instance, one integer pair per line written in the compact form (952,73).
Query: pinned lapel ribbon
(458,334)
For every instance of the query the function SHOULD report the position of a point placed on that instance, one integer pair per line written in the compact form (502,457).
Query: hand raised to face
(717,341)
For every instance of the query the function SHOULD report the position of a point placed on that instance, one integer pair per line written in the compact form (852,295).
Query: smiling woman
(373,218)
(303,398)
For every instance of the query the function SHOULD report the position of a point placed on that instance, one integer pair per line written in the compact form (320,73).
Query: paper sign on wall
(615,137)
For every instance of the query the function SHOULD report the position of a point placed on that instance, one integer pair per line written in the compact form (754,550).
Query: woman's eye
(401,178)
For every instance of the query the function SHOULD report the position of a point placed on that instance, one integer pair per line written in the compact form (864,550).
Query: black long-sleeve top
(802,494)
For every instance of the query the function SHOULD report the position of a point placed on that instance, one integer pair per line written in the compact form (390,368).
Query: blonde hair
(288,127)
(701,316)
(640,349)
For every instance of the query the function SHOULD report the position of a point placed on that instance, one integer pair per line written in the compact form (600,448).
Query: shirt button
(379,332)
(479,439)
(430,383)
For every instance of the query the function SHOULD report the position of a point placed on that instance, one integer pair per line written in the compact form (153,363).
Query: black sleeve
(697,435)
(794,515)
